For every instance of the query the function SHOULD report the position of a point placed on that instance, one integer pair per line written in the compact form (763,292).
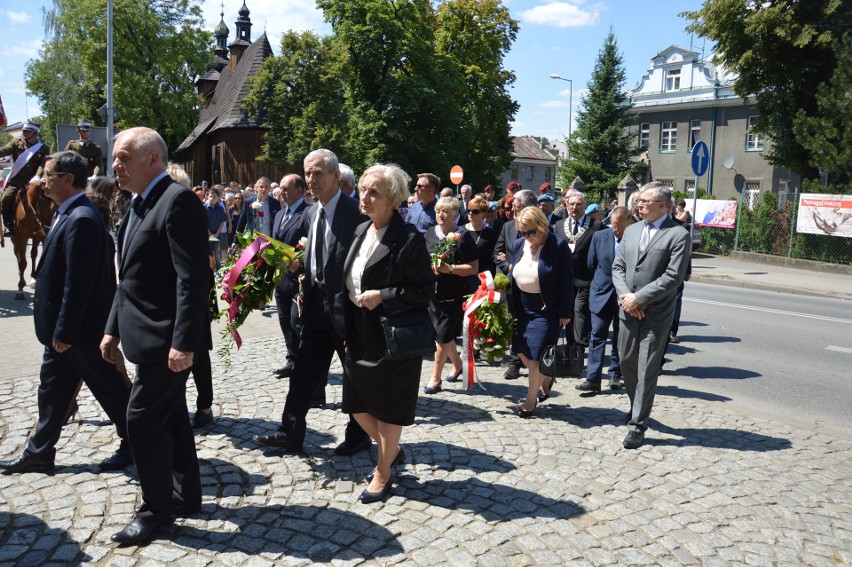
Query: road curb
(715,280)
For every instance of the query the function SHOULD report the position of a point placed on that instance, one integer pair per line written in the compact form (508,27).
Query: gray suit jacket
(655,275)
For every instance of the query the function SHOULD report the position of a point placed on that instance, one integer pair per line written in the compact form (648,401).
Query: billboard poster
(821,213)
(716,214)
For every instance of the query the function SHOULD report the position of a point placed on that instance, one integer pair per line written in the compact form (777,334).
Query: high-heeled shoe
(368,497)
(526,414)
(72,411)
(454,377)
(542,397)
(398,460)
(432,389)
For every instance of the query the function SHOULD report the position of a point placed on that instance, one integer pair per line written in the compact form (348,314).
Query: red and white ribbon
(484,293)
(232,278)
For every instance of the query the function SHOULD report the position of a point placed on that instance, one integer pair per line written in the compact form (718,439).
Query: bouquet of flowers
(248,280)
(445,251)
(492,325)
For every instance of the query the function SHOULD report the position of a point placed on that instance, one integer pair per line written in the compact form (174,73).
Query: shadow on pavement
(717,438)
(21,534)
(316,533)
(708,339)
(693,324)
(684,393)
(222,479)
(438,410)
(717,372)
(446,457)
(11,307)
(493,502)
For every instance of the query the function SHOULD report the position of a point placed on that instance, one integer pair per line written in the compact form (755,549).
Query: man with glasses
(649,266)
(422,213)
(73,297)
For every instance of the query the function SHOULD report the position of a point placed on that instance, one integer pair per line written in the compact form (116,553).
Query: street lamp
(570,109)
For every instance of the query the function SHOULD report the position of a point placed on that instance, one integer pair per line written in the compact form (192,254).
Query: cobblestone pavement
(481,486)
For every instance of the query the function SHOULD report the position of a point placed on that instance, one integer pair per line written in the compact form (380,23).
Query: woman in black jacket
(386,272)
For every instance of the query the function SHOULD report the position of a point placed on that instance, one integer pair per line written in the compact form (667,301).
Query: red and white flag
(2,114)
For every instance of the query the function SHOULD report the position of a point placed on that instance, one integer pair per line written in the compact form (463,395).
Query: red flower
(260,214)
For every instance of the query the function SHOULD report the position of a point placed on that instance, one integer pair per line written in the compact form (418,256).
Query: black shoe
(513,372)
(319,403)
(348,448)
(279,440)
(201,419)
(285,371)
(119,460)
(26,464)
(141,530)
(634,439)
(9,232)
(673,339)
(432,389)
(454,377)
(368,497)
(182,510)
(589,388)
(398,460)
(542,397)
(615,383)
(522,413)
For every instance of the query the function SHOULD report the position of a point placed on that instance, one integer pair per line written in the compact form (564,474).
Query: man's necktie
(617,243)
(646,237)
(574,227)
(319,245)
(284,218)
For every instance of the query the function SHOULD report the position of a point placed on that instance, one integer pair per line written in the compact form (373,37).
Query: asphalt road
(778,354)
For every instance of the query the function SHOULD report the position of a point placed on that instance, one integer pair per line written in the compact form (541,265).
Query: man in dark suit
(73,296)
(502,259)
(603,303)
(262,218)
(331,224)
(650,265)
(578,229)
(289,228)
(159,314)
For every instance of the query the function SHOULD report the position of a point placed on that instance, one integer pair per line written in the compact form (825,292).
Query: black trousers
(285,307)
(582,316)
(202,375)
(161,440)
(319,342)
(59,376)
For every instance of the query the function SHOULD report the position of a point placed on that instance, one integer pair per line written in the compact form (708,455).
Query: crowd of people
(373,252)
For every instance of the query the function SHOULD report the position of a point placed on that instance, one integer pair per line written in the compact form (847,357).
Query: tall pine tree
(601,146)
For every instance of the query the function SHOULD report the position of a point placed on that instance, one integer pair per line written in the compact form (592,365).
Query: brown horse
(33,214)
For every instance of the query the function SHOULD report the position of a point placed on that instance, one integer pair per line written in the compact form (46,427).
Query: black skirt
(387,390)
(447,316)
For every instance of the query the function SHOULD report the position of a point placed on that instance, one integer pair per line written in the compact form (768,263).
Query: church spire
(243,24)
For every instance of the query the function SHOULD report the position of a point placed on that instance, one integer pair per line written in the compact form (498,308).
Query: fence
(767,228)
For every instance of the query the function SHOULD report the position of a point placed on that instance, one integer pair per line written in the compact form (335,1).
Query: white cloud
(275,17)
(28,49)
(566,14)
(553,104)
(18,17)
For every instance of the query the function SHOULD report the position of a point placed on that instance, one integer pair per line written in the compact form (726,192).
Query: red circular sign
(456,174)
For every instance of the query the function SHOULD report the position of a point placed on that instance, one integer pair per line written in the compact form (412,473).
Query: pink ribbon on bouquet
(484,293)
(233,277)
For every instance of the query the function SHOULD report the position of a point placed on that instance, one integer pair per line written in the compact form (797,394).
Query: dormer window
(672,80)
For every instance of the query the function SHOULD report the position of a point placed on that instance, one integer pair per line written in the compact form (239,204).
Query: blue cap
(593,208)
(547,197)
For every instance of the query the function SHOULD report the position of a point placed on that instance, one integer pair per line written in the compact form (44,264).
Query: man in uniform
(29,156)
(86,147)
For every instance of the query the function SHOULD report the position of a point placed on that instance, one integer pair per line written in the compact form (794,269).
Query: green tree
(781,51)
(478,34)
(601,146)
(159,48)
(403,98)
(298,95)
(828,136)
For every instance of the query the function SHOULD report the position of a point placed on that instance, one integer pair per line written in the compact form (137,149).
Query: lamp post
(570,110)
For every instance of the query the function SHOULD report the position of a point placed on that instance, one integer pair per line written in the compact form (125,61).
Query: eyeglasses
(421,186)
(647,201)
(55,173)
(474,212)
(529,233)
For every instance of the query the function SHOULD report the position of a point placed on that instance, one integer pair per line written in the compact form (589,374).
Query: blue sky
(556,36)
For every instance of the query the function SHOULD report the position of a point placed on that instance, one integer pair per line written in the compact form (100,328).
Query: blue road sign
(700,158)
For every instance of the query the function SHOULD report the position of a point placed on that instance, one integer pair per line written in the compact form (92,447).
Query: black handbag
(562,360)
(408,334)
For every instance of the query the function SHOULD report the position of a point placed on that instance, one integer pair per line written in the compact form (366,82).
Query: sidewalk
(481,486)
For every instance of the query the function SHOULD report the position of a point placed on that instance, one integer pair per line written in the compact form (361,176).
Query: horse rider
(29,155)
(87,148)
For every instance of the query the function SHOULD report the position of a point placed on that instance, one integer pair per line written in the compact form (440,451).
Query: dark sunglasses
(474,212)
(529,233)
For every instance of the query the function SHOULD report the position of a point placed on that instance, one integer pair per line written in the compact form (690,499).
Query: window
(754,141)
(644,135)
(668,137)
(514,171)
(689,187)
(673,80)
(547,174)
(783,193)
(694,133)
(530,171)
(666,182)
(752,189)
